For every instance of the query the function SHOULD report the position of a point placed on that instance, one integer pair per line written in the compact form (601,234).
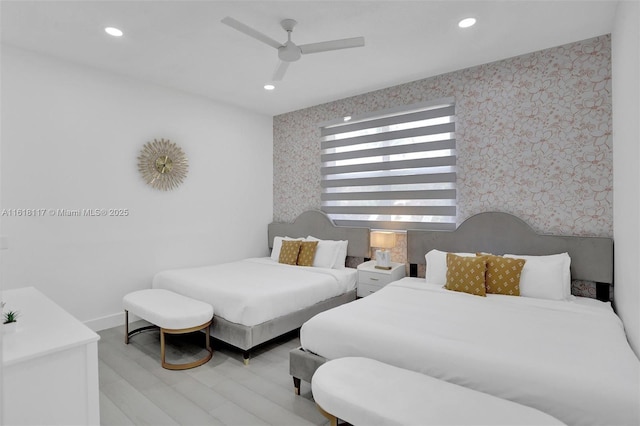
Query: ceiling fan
(289,51)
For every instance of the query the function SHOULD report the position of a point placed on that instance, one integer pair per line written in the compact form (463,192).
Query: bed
(256,300)
(568,358)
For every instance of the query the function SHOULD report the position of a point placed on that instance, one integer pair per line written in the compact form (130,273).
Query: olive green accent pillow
(289,252)
(307,253)
(466,274)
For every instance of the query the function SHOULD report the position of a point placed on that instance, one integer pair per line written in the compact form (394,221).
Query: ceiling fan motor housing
(289,52)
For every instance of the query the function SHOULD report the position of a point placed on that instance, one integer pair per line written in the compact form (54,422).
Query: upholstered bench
(172,313)
(363,391)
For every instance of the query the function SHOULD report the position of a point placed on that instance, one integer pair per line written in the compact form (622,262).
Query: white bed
(493,345)
(564,355)
(258,299)
(252,291)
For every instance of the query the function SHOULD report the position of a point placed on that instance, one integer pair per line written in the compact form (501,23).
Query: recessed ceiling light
(347,118)
(467,22)
(269,87)
(113,31)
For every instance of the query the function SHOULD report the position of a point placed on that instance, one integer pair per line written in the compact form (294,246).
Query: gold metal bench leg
(333,420)
(188,365)
(162,352)
(128,334)
(164,331)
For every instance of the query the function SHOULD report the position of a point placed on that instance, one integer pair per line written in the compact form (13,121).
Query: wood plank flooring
(136,390)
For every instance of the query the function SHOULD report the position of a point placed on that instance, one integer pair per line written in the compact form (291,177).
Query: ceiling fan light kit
(289,51)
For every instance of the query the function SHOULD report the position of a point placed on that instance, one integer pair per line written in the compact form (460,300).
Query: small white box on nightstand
(372,279)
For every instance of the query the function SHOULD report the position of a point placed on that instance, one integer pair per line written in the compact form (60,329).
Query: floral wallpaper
(533,139)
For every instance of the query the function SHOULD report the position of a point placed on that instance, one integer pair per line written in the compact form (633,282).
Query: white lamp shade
(383,239)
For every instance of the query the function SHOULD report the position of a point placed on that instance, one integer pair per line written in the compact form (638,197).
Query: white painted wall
(625,45)
(70,140)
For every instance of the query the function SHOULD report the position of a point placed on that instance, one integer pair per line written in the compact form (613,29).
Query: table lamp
(383,240)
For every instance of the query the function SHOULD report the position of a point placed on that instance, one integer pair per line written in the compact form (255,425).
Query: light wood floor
(136,390)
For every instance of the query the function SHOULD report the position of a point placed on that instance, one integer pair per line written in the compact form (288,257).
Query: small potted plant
(9,321)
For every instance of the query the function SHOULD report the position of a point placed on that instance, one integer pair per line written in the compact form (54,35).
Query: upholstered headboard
(500,233)
(318,224)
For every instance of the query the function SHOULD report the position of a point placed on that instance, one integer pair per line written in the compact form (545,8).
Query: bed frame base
(248,338)
(302,365)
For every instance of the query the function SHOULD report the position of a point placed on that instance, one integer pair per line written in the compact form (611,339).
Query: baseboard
(109,321)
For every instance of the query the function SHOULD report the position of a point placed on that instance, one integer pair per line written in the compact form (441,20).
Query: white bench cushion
(363,391)
(167,309)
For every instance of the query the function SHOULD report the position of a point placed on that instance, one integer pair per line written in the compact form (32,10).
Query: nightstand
(372,279)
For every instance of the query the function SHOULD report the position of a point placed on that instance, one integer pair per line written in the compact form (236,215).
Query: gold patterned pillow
(503,274)
(307,253)
(466,274)
(289,252)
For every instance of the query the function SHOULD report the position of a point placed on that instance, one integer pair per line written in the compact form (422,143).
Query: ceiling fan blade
(243,28)
(325,46)
(278,74)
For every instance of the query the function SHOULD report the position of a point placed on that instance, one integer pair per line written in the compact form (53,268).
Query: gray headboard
(500,233)
(318,224)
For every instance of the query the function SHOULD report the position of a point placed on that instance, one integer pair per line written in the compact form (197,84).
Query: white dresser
(49,365)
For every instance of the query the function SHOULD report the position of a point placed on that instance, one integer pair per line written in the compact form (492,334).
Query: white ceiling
(183,45)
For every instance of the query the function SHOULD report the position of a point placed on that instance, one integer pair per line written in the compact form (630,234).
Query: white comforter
(252,291)
(569,359)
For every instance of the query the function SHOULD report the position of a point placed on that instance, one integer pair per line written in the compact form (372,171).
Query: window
(395,170)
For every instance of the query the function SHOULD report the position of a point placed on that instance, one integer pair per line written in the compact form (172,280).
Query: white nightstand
(371,279)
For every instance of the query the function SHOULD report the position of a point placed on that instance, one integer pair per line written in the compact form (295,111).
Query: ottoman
(363,391)
(172,313)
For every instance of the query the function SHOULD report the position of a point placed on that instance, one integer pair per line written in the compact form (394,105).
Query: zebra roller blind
(395,170)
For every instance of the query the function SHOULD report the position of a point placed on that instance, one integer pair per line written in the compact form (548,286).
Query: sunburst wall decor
(163,164)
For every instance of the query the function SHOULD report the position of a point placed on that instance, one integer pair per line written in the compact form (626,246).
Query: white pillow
(277,246)
(436,272)
(341,256)
(330,253)
(545,277)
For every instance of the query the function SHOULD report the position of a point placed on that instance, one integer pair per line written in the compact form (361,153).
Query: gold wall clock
(163,164)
